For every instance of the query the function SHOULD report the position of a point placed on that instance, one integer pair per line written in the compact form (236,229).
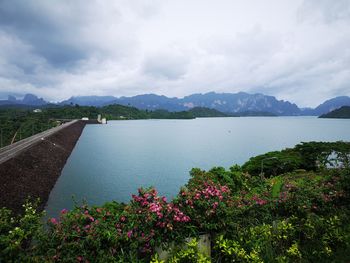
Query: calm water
(111,161)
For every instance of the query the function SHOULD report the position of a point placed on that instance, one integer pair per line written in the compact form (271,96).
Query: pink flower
(154,207)
(64,211)
(154,192)
(261,202)
(186,219)
(53,221)
(129,234)
(122,219)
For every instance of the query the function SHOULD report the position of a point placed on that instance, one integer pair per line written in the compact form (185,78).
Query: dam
(30,167)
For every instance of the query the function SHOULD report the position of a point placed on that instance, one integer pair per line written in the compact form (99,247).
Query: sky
(296,50)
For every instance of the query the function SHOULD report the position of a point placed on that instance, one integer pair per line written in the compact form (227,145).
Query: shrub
(17,233)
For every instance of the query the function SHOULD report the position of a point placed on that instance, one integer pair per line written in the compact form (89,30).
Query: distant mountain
(224,102)
(28,100)
(341,113)
(332,104)
(307,112)
(151,102)
(96,101)
(12,98)
(241,103)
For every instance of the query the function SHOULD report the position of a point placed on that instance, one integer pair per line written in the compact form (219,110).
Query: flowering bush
(206,202)
(130,232)
(149,221)
(85,234)
(16,232)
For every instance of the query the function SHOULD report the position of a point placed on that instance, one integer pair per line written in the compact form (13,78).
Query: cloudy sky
(297,50)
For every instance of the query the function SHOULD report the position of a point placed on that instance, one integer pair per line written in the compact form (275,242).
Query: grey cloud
(57,49)
(327,11)
(168,66)
(47,32)
(67,32)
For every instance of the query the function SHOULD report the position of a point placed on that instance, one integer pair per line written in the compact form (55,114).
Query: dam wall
(30,168)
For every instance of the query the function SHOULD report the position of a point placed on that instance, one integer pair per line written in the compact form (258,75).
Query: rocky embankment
(33,172)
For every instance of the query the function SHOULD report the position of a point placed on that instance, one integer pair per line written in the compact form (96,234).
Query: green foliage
(117,112)
(206,112)
(276,187)
(85,234)
(17,124)
(308,156)
(317,155)
(188,254)
(290,240)
(17,232)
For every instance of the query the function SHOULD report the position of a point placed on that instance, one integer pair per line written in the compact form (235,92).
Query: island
(341,113)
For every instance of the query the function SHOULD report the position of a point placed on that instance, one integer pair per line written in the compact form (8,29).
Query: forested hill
(341,113)
(17,123)
(206,112)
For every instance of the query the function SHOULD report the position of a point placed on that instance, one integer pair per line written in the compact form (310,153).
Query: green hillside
(341,113)
(206,112)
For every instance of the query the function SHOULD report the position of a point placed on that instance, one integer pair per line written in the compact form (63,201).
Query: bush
(315,239)
(310,156)
(17,233)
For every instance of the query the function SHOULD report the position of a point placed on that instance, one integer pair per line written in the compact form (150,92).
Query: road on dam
(12,150)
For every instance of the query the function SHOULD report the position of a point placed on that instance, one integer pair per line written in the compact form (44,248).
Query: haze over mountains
(224,102)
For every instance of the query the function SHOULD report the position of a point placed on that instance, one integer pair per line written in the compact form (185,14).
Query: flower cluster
(258,200)
(150,216)
(205,199)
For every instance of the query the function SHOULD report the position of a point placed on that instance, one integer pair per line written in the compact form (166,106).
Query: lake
(109,162)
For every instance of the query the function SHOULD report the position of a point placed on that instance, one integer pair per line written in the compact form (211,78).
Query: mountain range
(28,99)
(223,102)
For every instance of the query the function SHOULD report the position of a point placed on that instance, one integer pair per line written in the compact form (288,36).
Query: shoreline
(34,172)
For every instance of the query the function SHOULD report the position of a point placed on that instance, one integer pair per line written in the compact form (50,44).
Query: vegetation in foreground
(294,215)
